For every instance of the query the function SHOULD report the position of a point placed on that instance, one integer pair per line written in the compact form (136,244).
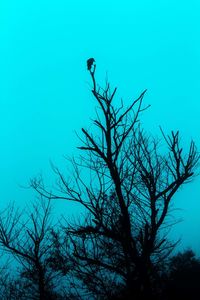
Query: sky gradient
(45,88)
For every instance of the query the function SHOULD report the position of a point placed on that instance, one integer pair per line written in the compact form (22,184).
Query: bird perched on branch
(90,63)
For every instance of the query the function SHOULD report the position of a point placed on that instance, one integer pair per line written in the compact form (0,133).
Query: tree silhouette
(183,276)
(27,238)
(126,183)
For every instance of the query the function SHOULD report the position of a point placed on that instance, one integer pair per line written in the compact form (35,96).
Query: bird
(90,63)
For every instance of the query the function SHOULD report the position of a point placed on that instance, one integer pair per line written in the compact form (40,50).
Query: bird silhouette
(90,63)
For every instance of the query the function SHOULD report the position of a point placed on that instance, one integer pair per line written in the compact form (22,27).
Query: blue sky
(44,84)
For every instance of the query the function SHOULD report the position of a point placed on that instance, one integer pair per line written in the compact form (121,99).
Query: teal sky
(44,84)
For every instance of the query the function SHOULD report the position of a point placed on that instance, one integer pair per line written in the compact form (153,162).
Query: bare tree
(27,238)
(126,183)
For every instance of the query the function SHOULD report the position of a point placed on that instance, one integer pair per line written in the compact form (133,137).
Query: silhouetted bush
(184,276)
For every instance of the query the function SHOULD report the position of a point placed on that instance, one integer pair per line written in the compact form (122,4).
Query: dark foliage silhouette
(183,277)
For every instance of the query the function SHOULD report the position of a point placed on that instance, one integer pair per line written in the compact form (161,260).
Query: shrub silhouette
(184,276)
